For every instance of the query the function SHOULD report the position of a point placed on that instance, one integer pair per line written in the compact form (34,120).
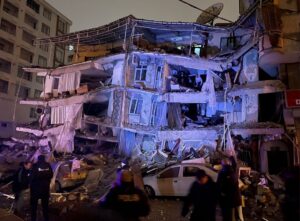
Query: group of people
(37,177)
(204,195)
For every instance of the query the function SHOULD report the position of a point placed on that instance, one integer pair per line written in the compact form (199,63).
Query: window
(26,55)
(6,46)
(44,47)
(190,171)
(42,62)
(10,8)
(3,86)
(55,83)
(24,74)
(47,13)
(230,43)
(37,93)
(23,91)
(8,27)
(140,73)
(27,37)
(31,21)
(59,55)
(170,173)
(5,66)
(136,105)
(33,5)
(32,113)
(45,29)
(39,79)
(153,113)
(61,26)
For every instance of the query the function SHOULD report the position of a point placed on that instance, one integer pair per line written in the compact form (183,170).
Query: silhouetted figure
(40,187)
(20,184)
(125,199)
(203,197)
(229,193)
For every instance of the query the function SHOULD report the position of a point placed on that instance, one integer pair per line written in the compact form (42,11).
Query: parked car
(175,180)
(64,177)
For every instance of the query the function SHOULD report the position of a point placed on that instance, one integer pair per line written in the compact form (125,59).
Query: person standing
(40,186)
(229,193)
(128,201)
(203,197)
(20,183)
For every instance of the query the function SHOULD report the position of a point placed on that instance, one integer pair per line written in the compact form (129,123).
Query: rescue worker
(40,186)
(203,197)
(125,199)
(20,183)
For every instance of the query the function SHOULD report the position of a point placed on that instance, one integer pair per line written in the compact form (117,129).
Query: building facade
(162,89)
(21,22)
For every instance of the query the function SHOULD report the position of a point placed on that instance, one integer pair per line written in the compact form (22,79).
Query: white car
(175,180)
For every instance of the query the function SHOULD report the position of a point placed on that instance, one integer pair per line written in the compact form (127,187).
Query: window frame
(140,73)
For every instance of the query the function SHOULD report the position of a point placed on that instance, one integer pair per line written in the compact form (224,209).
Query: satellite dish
(210,13)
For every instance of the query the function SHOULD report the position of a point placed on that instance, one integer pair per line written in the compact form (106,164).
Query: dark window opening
(230,43)
(33,5)
(270,107)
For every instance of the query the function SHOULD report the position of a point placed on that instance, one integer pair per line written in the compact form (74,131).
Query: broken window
(140,73)
(136,105)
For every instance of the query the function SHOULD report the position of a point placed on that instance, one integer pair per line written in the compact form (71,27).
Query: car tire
(57,187)
(149,191)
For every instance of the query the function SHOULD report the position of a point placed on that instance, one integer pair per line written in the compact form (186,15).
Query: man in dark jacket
(40,187)
(125,199)
(20,184)
(203,197)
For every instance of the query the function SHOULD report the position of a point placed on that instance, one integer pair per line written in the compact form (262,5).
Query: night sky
(93,13)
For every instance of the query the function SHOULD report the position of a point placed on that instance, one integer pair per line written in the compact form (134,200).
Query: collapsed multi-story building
(152,87)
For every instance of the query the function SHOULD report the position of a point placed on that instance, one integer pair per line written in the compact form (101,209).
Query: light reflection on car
(175,180)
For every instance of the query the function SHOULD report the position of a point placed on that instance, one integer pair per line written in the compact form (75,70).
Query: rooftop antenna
(210,14)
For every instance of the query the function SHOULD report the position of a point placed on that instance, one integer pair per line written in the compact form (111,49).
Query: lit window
(140,73)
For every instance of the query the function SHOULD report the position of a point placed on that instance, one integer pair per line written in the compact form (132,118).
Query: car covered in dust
(175,180)
(66,176)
